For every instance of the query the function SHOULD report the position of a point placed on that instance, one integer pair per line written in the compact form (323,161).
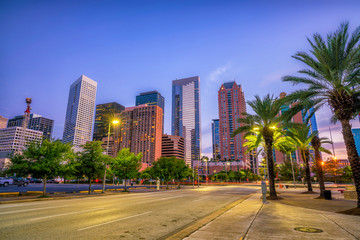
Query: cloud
(215,76)
(275,77)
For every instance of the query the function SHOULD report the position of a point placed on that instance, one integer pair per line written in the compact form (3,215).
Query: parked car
(6,181)
(330,184)
(20,182)
(34,180)
(51,181)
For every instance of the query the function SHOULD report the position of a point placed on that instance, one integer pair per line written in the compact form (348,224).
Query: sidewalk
(277,219)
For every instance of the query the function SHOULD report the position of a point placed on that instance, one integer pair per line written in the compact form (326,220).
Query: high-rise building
(16,138)
(356,133)
(3,122)
(141,131)
(105,114)
(151,98)
(215,139)
(186,115)
(36,122)
(172,146)
(231,107)
(80,112)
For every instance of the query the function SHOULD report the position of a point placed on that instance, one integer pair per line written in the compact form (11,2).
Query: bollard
(263,191)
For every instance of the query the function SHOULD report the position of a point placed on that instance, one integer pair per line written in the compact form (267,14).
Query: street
(146,215)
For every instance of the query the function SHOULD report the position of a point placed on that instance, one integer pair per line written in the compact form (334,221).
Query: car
(6,181)
(34,180)
(330,184)
(51,181)
(20,182)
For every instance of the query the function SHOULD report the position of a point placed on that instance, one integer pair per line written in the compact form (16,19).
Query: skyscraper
(105,113)
(356,133)
(215,139)
(172,146)
(231,106)
(80,112)
(3,122)
(186,115)
(36,122)
(152,98)
(141,131)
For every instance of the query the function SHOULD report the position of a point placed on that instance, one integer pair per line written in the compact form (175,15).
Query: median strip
(101,224)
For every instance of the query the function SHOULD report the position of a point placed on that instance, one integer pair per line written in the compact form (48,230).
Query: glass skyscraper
(215,139)
(186,115)
(80,112)
(151,98)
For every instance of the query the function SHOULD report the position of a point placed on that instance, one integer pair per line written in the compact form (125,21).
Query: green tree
(163,168)
(332,168)
(126,165)
(264,124)
(91,161)
(347,173)
(41,160)
(285,170)
(316,143)
(181,170)
(332,78)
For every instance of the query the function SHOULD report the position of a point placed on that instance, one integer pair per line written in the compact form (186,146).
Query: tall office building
(3,122)
(15,138)
(151,98)
(36,122)
(141,131)
(186,115)
(80,112)
(215,139)
(231,106)
(105,114)
(356,133)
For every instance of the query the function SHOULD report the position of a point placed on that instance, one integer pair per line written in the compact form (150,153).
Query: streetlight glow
(273,127)
(256,128)
(115,121)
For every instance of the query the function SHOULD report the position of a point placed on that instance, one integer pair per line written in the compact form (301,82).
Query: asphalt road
(149,215)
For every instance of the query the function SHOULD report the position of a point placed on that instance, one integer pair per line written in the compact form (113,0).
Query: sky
(129,47)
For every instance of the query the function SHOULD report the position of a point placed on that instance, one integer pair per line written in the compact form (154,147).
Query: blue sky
(133,46)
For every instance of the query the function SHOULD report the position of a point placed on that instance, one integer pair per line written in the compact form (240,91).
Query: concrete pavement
(251,219)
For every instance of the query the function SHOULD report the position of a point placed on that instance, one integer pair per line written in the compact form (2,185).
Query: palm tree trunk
(353,155)
(269,153)
(320,171)
(306,156)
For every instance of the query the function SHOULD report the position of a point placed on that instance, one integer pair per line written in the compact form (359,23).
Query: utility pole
(332,143)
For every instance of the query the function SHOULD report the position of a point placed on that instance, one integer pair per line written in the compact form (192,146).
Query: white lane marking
(64,214)
(198,200)
(167,198)
(97,225)
(19,205)
(28,210)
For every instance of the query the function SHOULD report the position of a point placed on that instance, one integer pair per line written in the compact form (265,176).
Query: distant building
(356,133)
(3,122)
(214,167)
(152,98)
(172,146)
(80,112)
(36,122)
(186,115)
(105,114)
(215,139)
(141,131)
(15,139)
(232,105)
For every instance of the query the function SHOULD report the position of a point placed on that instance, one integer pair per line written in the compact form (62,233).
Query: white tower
(80,112)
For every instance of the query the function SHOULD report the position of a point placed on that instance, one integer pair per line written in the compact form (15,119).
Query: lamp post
(198,182)
(206,171)
(107,151)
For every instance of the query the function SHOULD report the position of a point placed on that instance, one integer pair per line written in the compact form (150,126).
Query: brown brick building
(172,146)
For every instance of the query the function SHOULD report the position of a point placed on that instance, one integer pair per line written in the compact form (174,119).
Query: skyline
(129,48)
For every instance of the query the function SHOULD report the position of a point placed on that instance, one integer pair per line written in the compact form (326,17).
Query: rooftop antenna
(24,124)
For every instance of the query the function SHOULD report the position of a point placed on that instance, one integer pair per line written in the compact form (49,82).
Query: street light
(198,170)
(107,150)
(206,171)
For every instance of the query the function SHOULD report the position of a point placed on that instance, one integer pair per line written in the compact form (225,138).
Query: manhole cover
(308,230)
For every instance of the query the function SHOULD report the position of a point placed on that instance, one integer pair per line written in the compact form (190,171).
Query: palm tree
(265,124)
(333,78)
(301,138)
(316,143)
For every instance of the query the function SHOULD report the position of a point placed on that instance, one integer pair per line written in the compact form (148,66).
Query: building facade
(3,122)
(172,146)
(215,139)
(16,138)
(141,131)
(80,112)
(186,115)
(232,104)
(36,122)
(105,114)
(356,133)
(152,98)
